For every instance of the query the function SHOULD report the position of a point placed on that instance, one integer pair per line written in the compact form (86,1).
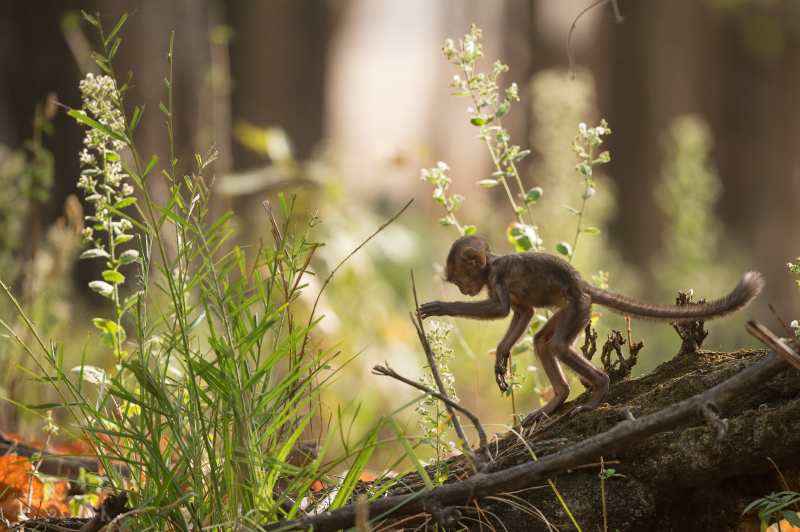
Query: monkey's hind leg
(577,314)
(549,363)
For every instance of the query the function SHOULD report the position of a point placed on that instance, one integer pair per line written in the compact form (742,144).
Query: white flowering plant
(486,113)
(104,183)
(585,146)
(437,177)
(436,420)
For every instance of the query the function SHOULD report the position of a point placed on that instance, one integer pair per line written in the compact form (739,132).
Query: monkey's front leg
(490,309)
(519,324)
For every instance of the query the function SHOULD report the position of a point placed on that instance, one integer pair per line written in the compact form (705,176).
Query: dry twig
(483,448)
(478,461)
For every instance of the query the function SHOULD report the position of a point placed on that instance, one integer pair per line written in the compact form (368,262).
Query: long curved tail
(748,288)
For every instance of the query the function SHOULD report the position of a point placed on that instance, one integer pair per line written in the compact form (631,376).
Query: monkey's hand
(434,308)
(500,370)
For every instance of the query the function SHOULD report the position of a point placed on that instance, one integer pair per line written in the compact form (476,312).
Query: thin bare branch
(570,52)
(785,328)
(765,336)
(478,461)
(483,449)
(381,228)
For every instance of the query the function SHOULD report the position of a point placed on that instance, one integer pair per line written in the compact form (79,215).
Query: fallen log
(696,385)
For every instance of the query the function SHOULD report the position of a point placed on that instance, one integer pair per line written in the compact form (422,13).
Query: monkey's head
(468,264)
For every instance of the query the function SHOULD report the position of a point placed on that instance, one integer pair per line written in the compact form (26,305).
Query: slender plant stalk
(583,209)
(603,492)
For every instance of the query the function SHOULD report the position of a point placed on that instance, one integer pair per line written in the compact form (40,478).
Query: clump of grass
(215,382)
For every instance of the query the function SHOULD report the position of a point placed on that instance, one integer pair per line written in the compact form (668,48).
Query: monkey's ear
(475,256)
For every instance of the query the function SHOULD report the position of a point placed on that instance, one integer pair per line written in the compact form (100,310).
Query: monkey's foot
(534,416)
(500,377)
(584,408)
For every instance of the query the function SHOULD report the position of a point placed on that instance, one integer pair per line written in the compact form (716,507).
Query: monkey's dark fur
(522,282)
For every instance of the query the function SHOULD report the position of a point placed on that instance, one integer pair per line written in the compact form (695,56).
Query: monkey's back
(537,279)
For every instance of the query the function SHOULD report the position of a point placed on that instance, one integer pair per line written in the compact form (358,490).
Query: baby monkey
(521,282)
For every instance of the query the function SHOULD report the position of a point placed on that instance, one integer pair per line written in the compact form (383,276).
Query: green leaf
(459,94)
(116,28)
(137,114)
(121,239)
(445,222)
(443,473)
(113,277)
(477,121)
(564,248)
(163,109)
(113,49)
(410,452)
(128,256)
(521,236)
(111,156)
(533,194)
(92,20)
(196,322)
(520,155)
(96,125)
(502,110)
(102,64)
(572,210)
(591,230)
(602,158)
(752,505)
(502,174)
(519,349)
(92,253)
(488,183)
(105,325)
(124,203)
(469,230)
(150,165)
(792,518)
(589,193)
(104,289)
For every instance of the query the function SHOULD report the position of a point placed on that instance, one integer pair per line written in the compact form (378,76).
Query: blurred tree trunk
(278,58)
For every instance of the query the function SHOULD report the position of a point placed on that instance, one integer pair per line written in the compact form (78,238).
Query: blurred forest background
(343,101)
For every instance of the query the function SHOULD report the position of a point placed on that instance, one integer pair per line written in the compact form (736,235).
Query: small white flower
(470,110)
(469,47)
(457,78)
(86,157)
(442,166)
